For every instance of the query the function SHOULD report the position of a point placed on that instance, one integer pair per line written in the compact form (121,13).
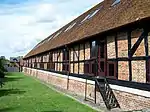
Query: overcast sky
(24,23)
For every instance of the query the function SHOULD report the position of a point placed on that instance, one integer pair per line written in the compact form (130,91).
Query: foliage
(2,68)
(25,94)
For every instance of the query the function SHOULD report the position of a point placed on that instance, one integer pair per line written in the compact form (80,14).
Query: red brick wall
(126,100)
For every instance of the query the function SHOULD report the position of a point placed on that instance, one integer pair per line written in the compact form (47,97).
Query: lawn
(24,94)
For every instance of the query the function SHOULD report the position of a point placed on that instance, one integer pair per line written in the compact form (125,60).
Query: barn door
(102,58)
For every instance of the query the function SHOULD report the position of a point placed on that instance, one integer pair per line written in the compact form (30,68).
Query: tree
(2,71)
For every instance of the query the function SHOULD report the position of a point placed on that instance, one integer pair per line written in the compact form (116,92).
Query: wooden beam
(116,50)
(129,57)
(73,60)
(146,54)
(75,52)
(78,58)
(136,45)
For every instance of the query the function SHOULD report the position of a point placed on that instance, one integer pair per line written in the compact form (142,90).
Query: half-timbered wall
(123,70)
(80,61)
(122,42)
(135,34)
(111,53)
(87,51)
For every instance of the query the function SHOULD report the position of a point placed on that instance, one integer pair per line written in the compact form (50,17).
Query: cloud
(24,23)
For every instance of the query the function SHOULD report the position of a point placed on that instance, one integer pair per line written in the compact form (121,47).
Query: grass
(24,94)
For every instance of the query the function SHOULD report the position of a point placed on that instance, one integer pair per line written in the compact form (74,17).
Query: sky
(24,23)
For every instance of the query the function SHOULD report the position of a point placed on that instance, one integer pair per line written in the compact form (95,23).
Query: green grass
(24,94)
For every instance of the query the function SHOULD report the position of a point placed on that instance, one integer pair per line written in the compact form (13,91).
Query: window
(93,43)
(85,18)
(93,49)
(115,2)
(90,68)
(91,15)
(102,64)
(94,68)
(41,65)
(112,69)
(102,49)
(35,65)
(94,13)
(57,34)
(50,38)
(39,44)
(86,68)
(71,26)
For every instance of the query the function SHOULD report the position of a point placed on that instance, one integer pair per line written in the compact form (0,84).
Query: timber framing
(87,52)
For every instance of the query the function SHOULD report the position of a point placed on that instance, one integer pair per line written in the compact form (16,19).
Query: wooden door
(102,58)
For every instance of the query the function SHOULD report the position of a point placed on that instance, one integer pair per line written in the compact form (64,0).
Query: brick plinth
(127,101)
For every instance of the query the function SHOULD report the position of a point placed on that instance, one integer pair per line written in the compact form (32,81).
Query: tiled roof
(105,16)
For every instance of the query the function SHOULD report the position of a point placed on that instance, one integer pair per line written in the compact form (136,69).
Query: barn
(103,55)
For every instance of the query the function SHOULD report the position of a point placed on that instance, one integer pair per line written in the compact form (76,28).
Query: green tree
(2,71)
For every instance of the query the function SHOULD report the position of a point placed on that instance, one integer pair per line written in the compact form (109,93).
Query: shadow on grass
(5,92)
(8,79)
(7,109)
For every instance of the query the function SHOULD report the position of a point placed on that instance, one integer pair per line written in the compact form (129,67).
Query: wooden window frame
(115,71)
(93,49)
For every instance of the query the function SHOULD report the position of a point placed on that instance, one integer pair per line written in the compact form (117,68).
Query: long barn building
(104,55)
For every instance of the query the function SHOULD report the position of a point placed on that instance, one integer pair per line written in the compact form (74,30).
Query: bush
(2,68)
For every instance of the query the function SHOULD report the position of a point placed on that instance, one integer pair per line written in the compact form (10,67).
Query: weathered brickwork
(140,50)
(126,100)
(59,66)
(91,94)
(38,59)
(134,37)
(90,91)
(77,87)
(71,67)
(33,60)
(38,65)
(87,51)
(45,65)
(57,81)
(123,70)
(56,66)
(76,53)
(46,58)
(139,71)
(76,68)
(111,53)
(81,52)
(81,69)
(122,41)
(135,34)
(71,54)
(129,101)
(60,56)
(55,56)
